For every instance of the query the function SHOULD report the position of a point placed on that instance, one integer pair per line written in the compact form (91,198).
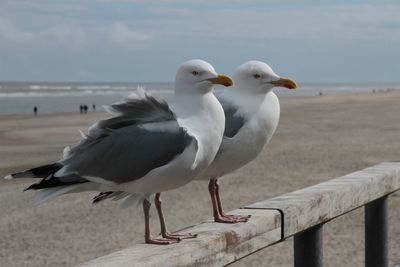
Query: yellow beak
(285,82)
(222,79)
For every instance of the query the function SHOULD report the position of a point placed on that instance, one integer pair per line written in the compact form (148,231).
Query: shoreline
(285,96)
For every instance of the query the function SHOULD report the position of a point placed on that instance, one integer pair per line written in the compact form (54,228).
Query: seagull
(251,116)
(147,147)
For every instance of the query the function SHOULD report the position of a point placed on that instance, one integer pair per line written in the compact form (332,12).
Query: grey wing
(143,106)
(122,148)
(128,153)
(233,120)
(139,107)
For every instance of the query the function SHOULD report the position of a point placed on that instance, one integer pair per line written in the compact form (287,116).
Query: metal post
(376,226)
(308,248)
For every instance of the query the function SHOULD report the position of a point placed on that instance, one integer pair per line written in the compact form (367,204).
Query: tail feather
(114,195)
(50,193)
(102,196)
(130,199)
(120,196)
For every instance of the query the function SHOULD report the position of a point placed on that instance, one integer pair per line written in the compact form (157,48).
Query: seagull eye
(195,73)
(256,76)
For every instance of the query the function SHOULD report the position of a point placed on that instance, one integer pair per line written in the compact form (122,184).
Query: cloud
(240,20)
(121,34)
(71,35)
(363,22)
(66,35)
(358,22)
(156,10)
(224,31)
(11,35)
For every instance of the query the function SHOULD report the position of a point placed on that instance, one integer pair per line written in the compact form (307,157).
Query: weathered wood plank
(221,244)
(216,245)
(313,205)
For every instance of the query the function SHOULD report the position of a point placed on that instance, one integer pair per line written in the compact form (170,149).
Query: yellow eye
(195,73)
(256,76)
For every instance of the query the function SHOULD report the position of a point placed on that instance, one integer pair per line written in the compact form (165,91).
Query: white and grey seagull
(252,113)
(148,147)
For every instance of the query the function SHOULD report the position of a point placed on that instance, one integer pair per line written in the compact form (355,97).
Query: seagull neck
(256,91)
(199,111)
(249,103)
(240,95)
(189,103)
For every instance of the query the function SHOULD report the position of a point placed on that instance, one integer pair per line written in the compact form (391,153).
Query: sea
(57,97)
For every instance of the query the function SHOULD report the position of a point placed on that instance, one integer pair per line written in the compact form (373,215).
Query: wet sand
(318,138)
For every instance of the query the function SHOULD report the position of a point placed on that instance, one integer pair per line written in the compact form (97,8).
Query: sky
(146,40)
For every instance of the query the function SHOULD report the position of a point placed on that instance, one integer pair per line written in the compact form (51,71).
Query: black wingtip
(32,187)
(38,172)
(53,181)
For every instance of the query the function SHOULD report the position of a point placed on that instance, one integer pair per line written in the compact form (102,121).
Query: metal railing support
(308,247)
(376,226)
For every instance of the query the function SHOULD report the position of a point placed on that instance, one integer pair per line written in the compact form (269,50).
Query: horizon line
(164,82)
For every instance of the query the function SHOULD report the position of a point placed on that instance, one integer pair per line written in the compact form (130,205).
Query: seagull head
(258,77)
(198,76)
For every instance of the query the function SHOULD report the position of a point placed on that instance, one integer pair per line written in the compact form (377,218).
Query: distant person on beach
(81,108)
(85,109)
(94,107)
(35,110)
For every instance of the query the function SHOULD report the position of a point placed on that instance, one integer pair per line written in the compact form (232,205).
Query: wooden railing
(301,214)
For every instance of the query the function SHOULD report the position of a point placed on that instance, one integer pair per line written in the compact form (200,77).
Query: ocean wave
(94,87)
(49,87)
(75,93)
(79,87)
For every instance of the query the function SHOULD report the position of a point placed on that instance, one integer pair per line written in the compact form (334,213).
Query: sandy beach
(318,138)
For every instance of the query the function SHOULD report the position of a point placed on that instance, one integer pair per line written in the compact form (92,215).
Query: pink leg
(164,231)
(147,237)
(238,218)
(216,212)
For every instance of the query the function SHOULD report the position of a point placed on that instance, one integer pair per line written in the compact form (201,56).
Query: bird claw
(246,217)
(162,241)
(231,218)
(175,236)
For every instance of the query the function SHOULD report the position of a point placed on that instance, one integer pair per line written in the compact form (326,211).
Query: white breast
(258,129)
(206,125)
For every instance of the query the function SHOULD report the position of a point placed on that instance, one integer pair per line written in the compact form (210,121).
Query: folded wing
(143,135)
